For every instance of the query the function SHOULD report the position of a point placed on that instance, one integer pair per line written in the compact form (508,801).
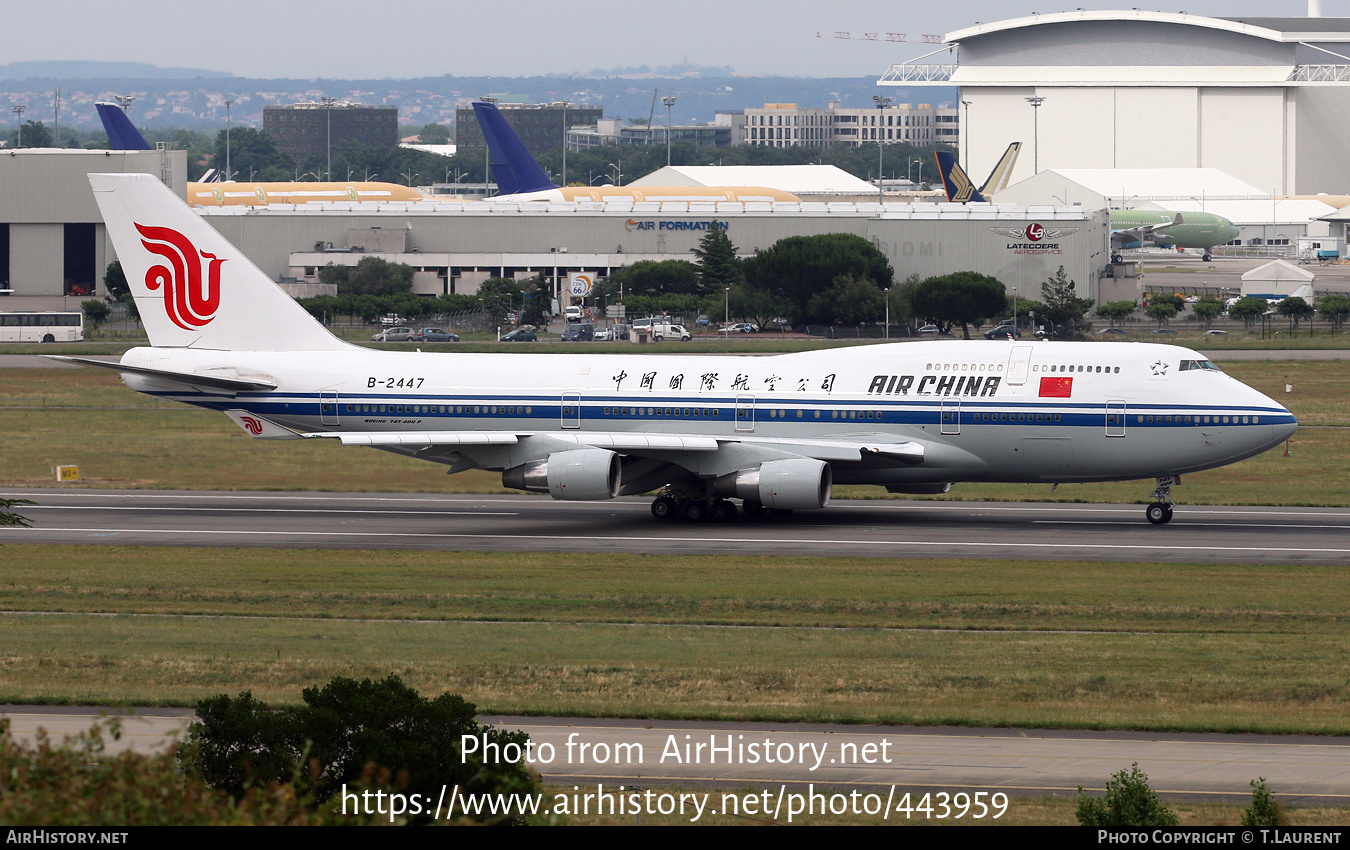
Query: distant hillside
(83,70)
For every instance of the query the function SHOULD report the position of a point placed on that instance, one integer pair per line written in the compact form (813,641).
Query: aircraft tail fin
(122,134)
(998,178)
(954,180)
(515,170)
(192,287)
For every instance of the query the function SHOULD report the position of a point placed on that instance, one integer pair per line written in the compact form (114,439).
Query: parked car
(391,319)
(572,313)
(521,335)
(739,328)
(1216,332)
(1111,332)
(930,329)
(436,335)
(663,331)
(395,335)
(579,332)
(603,335)
(1164,331)
(1002,332)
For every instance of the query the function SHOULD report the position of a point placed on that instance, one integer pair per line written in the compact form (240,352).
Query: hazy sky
(407,38)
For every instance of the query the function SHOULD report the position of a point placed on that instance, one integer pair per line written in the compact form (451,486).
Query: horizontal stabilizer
(204,383)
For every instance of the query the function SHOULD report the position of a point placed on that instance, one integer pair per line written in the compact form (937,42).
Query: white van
(662,331)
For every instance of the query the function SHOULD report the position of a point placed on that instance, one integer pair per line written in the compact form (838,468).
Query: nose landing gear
(1160,511)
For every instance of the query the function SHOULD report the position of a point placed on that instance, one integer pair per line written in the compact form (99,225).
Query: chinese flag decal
(1056,387)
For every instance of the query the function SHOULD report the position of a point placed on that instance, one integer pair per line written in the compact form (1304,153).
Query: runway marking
(1203,525)
(686,541)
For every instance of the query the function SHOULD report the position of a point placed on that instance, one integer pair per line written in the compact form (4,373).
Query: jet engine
(580,475)
(796,484)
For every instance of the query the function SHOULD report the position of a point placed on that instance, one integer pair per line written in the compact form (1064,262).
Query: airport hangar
(1266,100)
(455,245)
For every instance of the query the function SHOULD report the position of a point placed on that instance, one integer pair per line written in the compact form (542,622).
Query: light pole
(881,108)
(726,316)
(888,313)
(618,172)
(965,137)
(1036,101)
(18,117)
(565,104)
(328,107)
(669,101)
(228,104)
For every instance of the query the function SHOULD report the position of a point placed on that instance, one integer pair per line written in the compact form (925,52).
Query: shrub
(1264,810)
(1128,802)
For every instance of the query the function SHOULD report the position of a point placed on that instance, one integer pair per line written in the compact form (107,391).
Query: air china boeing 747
(775,432)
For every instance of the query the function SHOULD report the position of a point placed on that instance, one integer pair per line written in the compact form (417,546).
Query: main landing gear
(1207,257)
(1161,510)
(667,507)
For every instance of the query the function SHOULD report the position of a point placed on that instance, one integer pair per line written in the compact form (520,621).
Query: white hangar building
(1266,100)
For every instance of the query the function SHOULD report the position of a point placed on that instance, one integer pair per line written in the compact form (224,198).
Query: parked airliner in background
(776,432)
(1129,228)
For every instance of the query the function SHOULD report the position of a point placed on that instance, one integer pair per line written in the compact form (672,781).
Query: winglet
(122,134)
(515,170)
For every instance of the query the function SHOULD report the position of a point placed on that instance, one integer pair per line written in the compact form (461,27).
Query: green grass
(1058,644)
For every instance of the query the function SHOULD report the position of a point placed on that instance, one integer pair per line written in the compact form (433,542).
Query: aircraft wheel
(1116,258)
(1206,258)
(664,508)
(723,511)
(752,507)
(1158,513)
(695,511)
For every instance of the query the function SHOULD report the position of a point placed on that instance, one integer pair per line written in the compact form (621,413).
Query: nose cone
(1282,421)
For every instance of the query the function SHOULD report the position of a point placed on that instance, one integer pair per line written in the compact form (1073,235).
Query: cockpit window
(1188,365)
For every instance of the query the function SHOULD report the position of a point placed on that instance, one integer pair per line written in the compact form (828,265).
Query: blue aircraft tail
(955,181)
(515,170)
(122,134)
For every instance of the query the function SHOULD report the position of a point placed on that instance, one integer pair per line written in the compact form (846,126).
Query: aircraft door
(745,413)
(328,408)
(571,410)
(1115,418)
(951,416)
(1019,363)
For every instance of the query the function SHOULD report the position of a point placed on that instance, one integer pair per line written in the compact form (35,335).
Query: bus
(41,327)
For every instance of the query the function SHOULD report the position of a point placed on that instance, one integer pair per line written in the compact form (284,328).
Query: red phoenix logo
(253,425)
(191,298)
(1035,232)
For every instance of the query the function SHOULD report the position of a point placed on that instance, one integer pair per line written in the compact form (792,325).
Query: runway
(1017,762)
(529,523)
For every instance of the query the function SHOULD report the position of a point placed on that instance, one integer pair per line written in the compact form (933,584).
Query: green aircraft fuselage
(1131,228)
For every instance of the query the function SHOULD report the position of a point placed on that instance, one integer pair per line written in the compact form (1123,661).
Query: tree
(539,304)
(1162,312)
(497,294)
(797,268)
(95,312)
(962,298)
(718,266)
(351,733)
(1207,310)
(434,134)
(34,135)
(850,302)
(370,276)
(1334,308)
(8,518)
(1248,308)
(658,277)
(1265,810)
(253,156)
(1294,308)
(1063,307)
(115,280)
(1116,311)
(1128,802)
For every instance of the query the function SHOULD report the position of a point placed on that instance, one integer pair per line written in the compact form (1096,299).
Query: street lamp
(18,110)
(887,332)
(965,134)
(328,107)
(881,106)
(669,101)
(618,172)
(726,316)
(228,103)
(1036,101)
